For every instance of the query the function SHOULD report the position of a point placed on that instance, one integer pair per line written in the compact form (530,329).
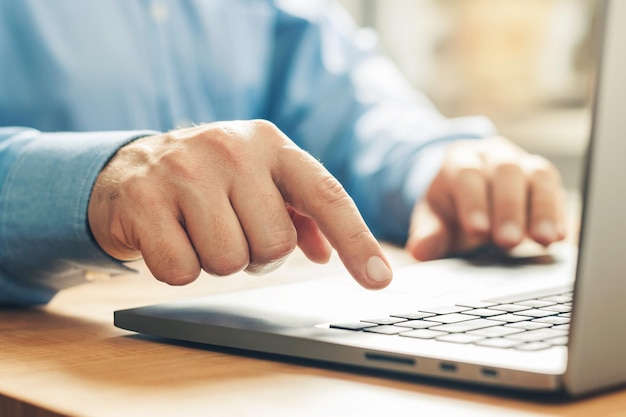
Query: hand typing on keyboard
(488,192)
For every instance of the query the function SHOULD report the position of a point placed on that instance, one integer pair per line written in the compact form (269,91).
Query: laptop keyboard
(526,324)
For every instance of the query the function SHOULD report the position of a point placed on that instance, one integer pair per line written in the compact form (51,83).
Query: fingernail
(510,232)
(546,230)
(479,221)
(377,270)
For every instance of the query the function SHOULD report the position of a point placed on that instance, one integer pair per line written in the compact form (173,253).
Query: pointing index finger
(314,192)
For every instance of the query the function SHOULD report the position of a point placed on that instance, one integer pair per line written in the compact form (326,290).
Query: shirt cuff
(44,232)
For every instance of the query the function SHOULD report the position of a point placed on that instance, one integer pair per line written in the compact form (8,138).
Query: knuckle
(329,192)
(270,134)
(172,155)
(507,169)
(541,170)
(230,147)
(359,235)
(469,171)
(138,193)
(265,268)
(276,248)
(264,126)
(178,277)
(223,143)
(176,163)
(167,265)
(227,263)
(174,273)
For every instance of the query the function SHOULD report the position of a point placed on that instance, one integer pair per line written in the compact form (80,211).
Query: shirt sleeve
(339,98)
(45,185)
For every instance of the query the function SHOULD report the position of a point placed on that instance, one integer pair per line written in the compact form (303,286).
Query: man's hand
(487,191)
(226,197)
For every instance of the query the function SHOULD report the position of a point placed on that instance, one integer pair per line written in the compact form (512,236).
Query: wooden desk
(69,359)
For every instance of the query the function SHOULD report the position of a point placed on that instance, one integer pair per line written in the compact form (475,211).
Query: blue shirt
(80,79)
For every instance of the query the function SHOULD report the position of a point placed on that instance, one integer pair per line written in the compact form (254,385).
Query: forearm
(46,180)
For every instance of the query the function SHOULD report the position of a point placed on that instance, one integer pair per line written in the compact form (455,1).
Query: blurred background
(526,64)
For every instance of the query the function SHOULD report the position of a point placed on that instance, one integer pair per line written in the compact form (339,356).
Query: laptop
(554,327)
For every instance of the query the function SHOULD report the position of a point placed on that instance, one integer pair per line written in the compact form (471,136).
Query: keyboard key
(560,308)
(510,308)
(558,341)
(553,320)
(385,320)
(509,318)
(483,312)
(466,326)
(414,316)
(462,338)
(536,313)
(537,335)
(451,318)
(423,334)
(386,329)
(531,347)
(498,342)
(352,326)
(528,325)
(418,324)
(496,331)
